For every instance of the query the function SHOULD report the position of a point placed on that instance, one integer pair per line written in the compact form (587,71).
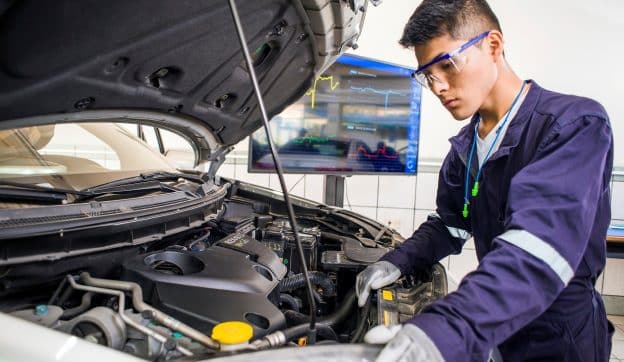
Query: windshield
(76,155)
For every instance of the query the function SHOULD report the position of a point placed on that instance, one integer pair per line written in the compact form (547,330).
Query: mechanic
(528,179)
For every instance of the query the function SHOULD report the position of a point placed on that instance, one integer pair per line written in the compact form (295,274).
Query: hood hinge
(217,157)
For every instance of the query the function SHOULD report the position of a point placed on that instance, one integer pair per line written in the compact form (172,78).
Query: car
(109,251)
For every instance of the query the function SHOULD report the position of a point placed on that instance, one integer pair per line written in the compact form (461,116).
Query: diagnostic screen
(361,116)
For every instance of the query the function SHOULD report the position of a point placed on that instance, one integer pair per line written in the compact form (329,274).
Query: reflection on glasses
(445,66)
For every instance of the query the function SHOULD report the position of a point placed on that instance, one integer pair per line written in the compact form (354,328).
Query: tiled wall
(405,202)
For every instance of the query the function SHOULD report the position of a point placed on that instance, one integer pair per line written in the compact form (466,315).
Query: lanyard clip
(475,189)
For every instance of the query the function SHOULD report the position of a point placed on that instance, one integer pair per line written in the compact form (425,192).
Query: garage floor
(617,351)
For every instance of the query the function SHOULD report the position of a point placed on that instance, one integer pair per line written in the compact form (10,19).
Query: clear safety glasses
(444,67)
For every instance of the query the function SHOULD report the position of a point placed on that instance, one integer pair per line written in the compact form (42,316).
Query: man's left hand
(403,343)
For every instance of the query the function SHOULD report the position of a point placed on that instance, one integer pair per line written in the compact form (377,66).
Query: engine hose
(286,336)
(139,305)
(316,278)
(294,318)
(121,311)
(84,305)
(322,330)
(362,323)
(336,237)
(332,319)
(289,301)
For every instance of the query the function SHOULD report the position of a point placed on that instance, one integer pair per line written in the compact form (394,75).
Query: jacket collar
(463,140)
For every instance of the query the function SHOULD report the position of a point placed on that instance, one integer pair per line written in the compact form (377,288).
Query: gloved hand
(375,276)
(403,343)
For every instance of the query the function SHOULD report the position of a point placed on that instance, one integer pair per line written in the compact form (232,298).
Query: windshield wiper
(132,188)
(144,183)
(19,191)
(144,177)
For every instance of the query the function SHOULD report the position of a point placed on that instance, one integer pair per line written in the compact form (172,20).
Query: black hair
(461,19)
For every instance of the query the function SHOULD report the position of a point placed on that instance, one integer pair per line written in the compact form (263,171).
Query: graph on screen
(361,116)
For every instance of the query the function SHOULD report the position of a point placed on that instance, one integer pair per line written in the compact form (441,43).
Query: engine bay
(161,300)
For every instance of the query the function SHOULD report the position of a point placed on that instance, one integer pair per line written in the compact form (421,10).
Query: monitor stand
(334,190)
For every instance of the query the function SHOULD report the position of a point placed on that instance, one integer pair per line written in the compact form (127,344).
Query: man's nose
(438,87)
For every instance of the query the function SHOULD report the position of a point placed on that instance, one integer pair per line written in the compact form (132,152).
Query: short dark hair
(461,19)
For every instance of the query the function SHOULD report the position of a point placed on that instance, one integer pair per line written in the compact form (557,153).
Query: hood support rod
(278,169)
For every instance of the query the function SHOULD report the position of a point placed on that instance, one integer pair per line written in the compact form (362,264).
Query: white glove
(375,276)
(403,343)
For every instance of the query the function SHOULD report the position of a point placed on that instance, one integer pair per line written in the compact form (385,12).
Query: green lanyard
(475,187)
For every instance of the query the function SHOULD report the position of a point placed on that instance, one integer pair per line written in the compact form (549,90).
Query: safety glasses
(446,66)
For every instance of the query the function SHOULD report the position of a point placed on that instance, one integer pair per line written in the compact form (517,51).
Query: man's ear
(495,44)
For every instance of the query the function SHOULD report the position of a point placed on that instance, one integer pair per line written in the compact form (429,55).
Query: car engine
(160,300)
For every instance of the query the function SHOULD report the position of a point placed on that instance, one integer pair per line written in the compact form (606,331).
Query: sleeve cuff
(447,340)
(398,259)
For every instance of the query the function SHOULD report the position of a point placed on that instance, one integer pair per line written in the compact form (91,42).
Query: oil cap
(233,332)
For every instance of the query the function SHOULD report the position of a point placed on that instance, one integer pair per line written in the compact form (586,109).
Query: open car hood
(180,59)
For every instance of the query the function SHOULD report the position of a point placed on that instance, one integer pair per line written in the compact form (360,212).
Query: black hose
(322,330)
(316,278)
(84,305)
(336,237)
(362,323)
(317,297)
(332,319)
(326,332)
(290,301)
(343,312)
(64,296)
(294,318)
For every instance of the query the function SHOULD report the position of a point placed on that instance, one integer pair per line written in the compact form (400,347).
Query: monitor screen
(361,116)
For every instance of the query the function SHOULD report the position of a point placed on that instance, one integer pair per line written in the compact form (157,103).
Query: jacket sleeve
(445,231)
(552,207)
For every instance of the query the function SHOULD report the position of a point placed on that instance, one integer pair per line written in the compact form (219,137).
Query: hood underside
(180,57)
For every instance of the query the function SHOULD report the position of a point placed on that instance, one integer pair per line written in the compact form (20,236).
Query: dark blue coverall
(539,224)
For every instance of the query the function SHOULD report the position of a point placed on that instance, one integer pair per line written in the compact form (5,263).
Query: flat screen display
(361,116)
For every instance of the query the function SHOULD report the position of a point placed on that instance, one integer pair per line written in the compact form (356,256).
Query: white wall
(570,46)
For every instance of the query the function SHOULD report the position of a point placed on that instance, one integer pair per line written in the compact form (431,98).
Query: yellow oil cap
(232,332)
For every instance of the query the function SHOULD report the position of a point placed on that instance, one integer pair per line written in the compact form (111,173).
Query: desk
(615,242)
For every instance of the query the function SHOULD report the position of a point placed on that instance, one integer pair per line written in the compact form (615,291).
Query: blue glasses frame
(452,53)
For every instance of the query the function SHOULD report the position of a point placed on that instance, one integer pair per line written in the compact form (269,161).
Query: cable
(346,192)
(278,167)
(296,183)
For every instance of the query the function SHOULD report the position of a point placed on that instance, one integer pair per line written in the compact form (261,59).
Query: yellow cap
(232,332)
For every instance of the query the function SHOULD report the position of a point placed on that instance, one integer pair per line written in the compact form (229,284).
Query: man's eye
(446,65)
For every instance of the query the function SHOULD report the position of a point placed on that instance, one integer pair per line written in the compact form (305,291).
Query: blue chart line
(386,93)
(356,72)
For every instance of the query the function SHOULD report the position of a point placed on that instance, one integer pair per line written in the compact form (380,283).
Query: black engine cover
(232,280)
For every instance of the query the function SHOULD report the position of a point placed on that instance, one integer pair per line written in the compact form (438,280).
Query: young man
(528,179)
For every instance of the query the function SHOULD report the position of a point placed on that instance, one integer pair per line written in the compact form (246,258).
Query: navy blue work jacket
(539,225)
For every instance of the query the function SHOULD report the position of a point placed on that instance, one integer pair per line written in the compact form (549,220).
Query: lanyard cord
(475,188)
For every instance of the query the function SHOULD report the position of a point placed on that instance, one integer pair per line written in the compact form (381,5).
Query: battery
(291,255)
(387,307)
(397,303)
(280,238)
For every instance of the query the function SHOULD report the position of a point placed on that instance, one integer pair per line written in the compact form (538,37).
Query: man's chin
(459,115)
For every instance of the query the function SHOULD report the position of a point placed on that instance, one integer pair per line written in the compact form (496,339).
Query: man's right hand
(373,277)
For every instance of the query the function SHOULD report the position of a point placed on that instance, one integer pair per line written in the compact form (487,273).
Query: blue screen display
(361,116)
